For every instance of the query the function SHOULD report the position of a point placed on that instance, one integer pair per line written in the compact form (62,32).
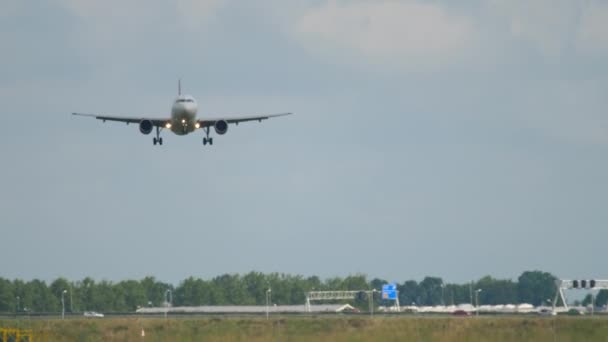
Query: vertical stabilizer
(179,86)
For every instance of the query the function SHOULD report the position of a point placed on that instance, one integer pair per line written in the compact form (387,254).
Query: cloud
(112,22)
(113,37)
(194,13)
(546,24)
(593,32)
(10,8)
(405,34)
(569,111)
(554,27)
(417,35)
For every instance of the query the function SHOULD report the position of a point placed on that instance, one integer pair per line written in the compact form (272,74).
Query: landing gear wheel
(207,139)
(157,139)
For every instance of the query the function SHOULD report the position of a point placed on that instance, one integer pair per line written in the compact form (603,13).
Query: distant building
(248,309)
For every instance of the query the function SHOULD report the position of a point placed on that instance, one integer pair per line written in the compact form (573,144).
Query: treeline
(532,287)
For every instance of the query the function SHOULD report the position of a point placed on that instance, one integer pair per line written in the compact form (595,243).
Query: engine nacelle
(221,127)
(146,126)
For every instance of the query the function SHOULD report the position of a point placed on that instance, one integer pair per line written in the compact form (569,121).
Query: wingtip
(82,114)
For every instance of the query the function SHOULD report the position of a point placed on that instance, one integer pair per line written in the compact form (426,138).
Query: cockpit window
(184,100)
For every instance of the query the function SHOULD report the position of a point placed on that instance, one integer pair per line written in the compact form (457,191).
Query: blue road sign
(389,291)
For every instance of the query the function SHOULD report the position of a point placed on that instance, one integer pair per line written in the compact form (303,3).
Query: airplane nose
(191,109)
(187,108)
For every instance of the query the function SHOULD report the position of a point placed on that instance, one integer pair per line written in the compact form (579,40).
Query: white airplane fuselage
(183,115)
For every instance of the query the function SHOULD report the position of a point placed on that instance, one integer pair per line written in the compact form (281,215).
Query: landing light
(168,125)
(183,121)
(197,125)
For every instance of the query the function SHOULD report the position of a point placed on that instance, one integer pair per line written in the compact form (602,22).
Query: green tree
(334,284)
(535,287)
(256,284)
(356,282)
(8,302)
(21,292)
(313,283)
(408,293)
(430,291)
(86,293)
(134,295)
(496,291)
(280,288)
(458,293)
(155,291)
(587,300)
(40,297)
(57,287)
(601,298)
(296,289)
(193,292)
(377,283)
(104,298)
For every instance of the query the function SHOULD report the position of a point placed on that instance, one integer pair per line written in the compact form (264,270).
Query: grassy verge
(321,328)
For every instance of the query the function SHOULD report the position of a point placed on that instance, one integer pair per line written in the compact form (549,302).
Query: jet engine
(146,126)
(221,127)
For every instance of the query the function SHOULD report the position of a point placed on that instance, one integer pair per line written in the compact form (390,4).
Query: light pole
(442,294)
(371,302)
(471,292)
(416,319)
(168,302)
(477,300)
(268,294)
(63,303)
(18,299)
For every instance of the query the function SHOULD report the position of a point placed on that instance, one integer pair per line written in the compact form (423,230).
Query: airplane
(183,120)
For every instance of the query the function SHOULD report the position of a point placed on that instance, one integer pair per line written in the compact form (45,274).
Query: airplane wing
(238,119)
(155,121)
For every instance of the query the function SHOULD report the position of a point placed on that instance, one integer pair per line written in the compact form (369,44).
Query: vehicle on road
(93,314)
(546,312)
(461,313)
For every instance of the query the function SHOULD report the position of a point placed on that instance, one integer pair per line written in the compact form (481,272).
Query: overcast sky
(430,138)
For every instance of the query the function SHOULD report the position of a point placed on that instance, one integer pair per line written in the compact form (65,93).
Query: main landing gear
(157,139)
(207,139)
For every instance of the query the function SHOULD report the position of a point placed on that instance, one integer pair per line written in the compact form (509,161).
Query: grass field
(347,328)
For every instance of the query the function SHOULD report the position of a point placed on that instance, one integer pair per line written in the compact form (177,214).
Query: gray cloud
(489,146)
